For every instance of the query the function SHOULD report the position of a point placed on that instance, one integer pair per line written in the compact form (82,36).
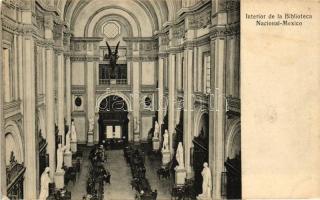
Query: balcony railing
(112,81)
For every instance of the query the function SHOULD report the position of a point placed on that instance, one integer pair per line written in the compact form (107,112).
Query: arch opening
(113,122)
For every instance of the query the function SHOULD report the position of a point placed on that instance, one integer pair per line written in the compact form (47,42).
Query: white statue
(44,184)
(73,132)
(4,197)
(136,124)
(180,156)
(60,152)
(68,138)
(91,124)
(156,130)
(206,182)
(165,145)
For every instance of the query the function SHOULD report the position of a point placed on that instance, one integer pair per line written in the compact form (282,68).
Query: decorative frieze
(142,58)
(9,25)
(164,39)
(204,19)
(78,89)
(222,31)
(201,99)
(163,54)
(81,46)
(84,58)
(9,9)
(178,31)
(233,105)
(198,20)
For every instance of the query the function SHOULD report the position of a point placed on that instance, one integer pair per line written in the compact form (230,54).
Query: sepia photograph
(120,100)
(152,100)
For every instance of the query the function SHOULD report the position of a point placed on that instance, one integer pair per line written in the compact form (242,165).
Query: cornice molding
(142,58)
(86,39)
(84,58)
(223,31)
(233,105)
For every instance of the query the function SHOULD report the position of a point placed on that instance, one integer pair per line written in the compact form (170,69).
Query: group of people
(98,175)
(135,158)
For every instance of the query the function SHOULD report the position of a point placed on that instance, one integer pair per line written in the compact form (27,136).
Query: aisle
(163,186)
(120,187)
(79,189)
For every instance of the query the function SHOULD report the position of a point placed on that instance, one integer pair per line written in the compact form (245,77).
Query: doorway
(113,122)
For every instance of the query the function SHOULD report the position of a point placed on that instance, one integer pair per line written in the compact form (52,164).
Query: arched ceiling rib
(152,13)
(115,10)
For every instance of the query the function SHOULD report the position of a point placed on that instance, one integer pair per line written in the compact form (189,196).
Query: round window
(147,101)
(78,101)
(111,30)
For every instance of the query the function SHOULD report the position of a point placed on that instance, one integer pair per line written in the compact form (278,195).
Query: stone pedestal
(155,144)
(165,157)
(59,179)
(136,137)
(73,146)
(181,175)
(68,159)
(90,138)
(199,197)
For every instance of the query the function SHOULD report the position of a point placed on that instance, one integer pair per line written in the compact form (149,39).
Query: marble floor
(120,188)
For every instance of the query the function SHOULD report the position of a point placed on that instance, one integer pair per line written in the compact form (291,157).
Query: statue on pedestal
(44,184)
(68,138)
(206,183)
(136,125)
(60,153)
(156,130)
(165,145)
(73,132)
(180,156)
(91,124)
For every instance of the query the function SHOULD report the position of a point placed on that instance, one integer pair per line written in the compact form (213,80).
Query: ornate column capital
(48,22)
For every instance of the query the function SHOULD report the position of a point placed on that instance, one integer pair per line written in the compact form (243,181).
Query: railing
(14,170)
(112,81)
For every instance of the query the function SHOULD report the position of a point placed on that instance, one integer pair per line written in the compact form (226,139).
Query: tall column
(68,90)
(50,96)
(136,100)
(20,66)
(188,107)
(218,115)
(3,183)
(15,71)
(160,92)
(60,98)
(91,82)
(29,118)
(171,94)
(231,66)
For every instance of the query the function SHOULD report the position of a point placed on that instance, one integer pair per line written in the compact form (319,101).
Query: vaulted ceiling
(147,16)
